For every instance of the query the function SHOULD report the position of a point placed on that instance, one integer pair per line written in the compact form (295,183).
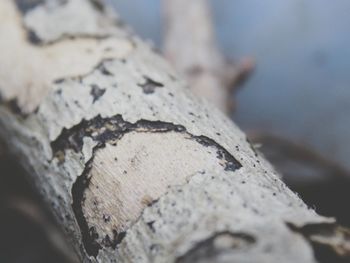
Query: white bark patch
(29,81)
(129,176)
(60,20)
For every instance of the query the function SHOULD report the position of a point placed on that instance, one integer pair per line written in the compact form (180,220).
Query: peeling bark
(133,166)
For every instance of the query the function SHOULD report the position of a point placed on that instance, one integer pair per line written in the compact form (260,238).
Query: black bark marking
(231,164)
(103,130)
(98,67)
(33,37)
(104,70)
(88,238)
(98,5)
(335,250)
(106,218)
(15,108)
(150,225)
(65,37)
(150,85)
(99,129)
(113,243)
(208,249)
(96,92)
(24,6)
(113,128)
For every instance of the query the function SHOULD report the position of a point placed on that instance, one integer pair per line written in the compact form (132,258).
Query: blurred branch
(31,211)
(21,208)
(190,45)
(321,182)
(292,150)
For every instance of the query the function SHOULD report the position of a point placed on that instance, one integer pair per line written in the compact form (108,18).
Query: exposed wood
(134,167)
(190,45)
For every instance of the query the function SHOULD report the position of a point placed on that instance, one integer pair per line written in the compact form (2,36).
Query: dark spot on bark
(115,241)
(107,242)
(150,225)
(15,108)
(104,70)
(153,247)
(209,249)
(64,37)
(330,242)
(59,81)
(33,37)
(99,129)
(149,204)
(98,5)
(106,218)
(88,236)
(118,237)
(25,6)
(230,163)
(93,233)
(77,103)
(96,92)
(150,85)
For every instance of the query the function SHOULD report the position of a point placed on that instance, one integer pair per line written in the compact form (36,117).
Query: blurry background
(296,104)
(301,86)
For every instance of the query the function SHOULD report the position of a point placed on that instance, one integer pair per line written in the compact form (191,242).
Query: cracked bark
(133,166)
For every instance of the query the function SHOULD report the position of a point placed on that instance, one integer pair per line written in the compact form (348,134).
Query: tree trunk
(134,167)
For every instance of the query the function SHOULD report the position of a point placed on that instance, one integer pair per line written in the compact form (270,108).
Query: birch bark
(134,167)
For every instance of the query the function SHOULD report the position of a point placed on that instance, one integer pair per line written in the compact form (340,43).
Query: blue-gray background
(300,89)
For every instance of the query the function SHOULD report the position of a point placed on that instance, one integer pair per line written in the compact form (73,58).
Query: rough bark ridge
(134,167)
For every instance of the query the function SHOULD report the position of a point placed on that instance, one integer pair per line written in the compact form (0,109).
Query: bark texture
(133,166)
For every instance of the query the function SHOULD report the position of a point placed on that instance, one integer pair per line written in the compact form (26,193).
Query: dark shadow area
(321,183)
(28,232)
